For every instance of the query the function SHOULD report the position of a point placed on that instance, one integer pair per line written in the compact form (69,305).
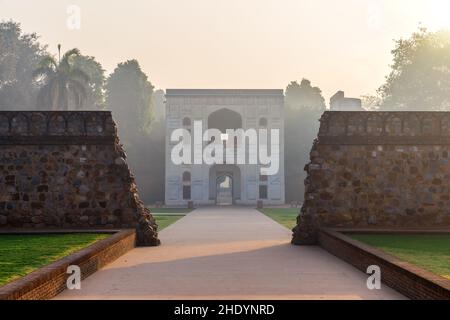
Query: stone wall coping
(51,125)
(56,231)
(384,141)
(17,288)
(224,92)
(391,127)
(388,113)
(55,112)
(56,140)
(417,274)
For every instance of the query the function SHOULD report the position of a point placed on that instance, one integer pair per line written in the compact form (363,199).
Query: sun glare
(439,13)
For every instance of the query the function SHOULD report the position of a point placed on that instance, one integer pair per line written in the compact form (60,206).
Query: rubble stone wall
(67,170)
(377,169)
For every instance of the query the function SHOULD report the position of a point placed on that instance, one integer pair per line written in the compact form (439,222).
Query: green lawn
(165,221)
(284,216)
(430,252)
(22,254)
(170,210)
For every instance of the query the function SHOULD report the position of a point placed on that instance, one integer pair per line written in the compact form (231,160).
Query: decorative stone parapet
(385,128)
(377,169)
(67,170)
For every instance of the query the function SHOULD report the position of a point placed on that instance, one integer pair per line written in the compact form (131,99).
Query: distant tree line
(32,79)
(304,104)
(419,79)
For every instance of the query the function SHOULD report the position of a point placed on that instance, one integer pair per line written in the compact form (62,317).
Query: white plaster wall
(199,107)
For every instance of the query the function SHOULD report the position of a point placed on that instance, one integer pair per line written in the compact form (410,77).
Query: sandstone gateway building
(223,184)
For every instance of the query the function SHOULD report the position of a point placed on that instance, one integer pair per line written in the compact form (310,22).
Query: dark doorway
(224,187)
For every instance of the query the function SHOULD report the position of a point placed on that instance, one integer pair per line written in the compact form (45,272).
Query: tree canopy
(95,98)
(304,96)
(420,75)
(159,104)
(304,106)
(129,97)
(62,82)
(19,56)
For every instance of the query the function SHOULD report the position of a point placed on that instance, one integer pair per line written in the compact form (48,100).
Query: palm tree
(62,82)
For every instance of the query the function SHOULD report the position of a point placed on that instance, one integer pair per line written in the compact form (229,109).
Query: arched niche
(217,173)
(336,126)
(430,126)
(356,125)
(374,125)
(19,124)
(445,126)
(38,123)
(411,125)
(94,125)
(224,119)
(393,126)
(4,125)
(57,125)
(75,125)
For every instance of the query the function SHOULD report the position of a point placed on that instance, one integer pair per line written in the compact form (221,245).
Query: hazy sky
(338,44)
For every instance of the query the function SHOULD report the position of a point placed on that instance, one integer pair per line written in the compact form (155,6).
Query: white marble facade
(210,184)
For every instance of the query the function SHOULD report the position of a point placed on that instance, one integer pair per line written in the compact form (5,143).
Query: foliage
(304,106)
(62,81)
(420,75)
(95,99)
(159,105)
(129,97)
(146,157)
(19,57)
(370,102)
(304,96)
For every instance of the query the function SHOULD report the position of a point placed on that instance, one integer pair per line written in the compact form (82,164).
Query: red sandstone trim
(49,281)
(408,279)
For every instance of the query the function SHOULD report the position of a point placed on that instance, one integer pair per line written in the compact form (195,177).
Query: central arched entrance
(225,184)
(225,179)
(224,190)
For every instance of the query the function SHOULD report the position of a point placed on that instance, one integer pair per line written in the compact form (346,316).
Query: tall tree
(304,96)
(304,106)
(63,82)
(420,75)
(146,157)
(95,99)
(370,102)
(129,97)
(19,56)
(159,105)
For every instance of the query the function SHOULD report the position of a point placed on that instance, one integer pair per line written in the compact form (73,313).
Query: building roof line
(215,92)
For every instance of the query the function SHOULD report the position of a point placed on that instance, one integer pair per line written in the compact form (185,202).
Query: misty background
(417,78)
